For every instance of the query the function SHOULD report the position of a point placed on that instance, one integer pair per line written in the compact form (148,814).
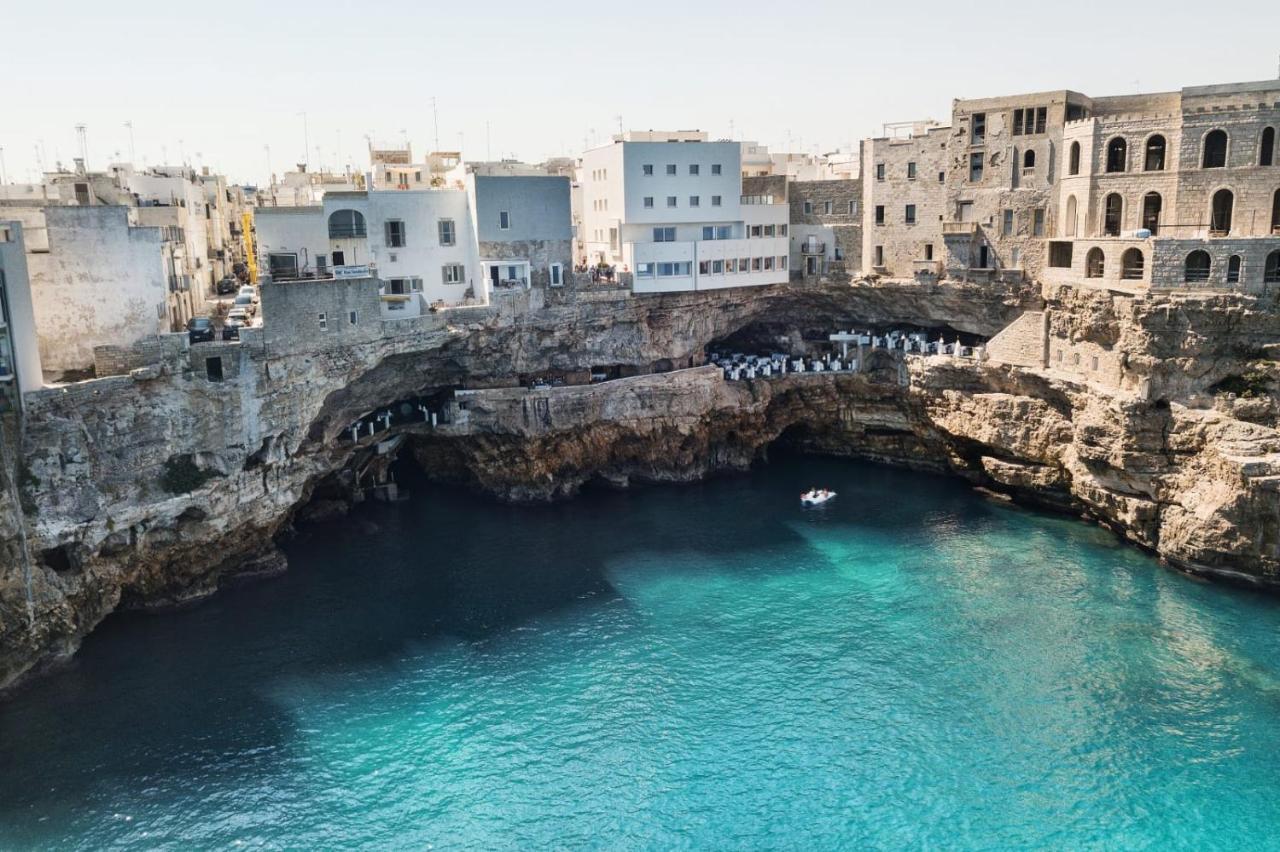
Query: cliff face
(155,488)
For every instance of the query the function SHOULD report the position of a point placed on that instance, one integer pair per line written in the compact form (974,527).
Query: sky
(243,87)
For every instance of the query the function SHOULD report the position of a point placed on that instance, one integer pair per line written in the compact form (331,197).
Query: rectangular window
(323,319)
(447,234)
(715,201)
(671,168)
(782,230)
(755,230)
(1042,114)
(1037,222)
(674,270)
(978,129)
(704,267)
(826,208)
(398,286)
(694,201)
(648,170)
(648,201)
(671,201)
(782,262)
(808,208)
(853,208)
(717,267)
(708,232)
(1060,255)
(504,220)
(715,168)
(942,176)
(744,264)
(415,285)
(394,233)
(879,214)
(453,273)
(353,318)
(928,251)
(693,168)
(910,214)
(644,270)
(768,230)
(664,235)
(879,255)
(755,264)
(1017,122)
(768,263)
(975,167)
(879,171)
(1006,223)
(911,171)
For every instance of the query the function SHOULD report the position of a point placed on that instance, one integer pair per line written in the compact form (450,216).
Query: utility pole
(306,142)
(133,157)
(435,119)
(270,177)
(82,133)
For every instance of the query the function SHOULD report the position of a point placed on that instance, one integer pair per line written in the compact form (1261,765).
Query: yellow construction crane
(250,253)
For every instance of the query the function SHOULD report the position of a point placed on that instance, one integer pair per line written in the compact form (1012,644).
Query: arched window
(1117,155)
(1094,263)
(1272,273)
(1154,161)
(1220,214)
(1233,269)
(1197,268)
(1029,160)
(1267,150)
(1275,213)
(346,223)
(1215,150)
(1151,204)
(1112,210)
(1075,158)
(1131,263)
(1070,222)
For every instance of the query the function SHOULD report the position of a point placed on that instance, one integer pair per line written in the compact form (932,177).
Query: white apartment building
(668,208)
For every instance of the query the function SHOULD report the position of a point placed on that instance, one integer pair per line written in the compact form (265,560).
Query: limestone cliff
(153,488)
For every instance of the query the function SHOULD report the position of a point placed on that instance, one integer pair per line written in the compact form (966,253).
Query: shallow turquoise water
(705,666)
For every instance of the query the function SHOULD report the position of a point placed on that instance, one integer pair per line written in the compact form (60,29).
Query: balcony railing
(813,248)
(959,229)
(346,232)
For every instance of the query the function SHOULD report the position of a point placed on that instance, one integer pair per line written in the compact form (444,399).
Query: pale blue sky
(226,78)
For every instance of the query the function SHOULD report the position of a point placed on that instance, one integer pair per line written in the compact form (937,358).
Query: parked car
(226,286)
(249,290)
(199,329)
(238,315)
(245,301)
(231,329)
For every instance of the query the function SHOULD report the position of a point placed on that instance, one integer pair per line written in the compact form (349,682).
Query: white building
(668,207)
(19,346)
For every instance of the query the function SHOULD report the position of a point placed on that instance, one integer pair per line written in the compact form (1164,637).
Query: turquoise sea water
(705,666)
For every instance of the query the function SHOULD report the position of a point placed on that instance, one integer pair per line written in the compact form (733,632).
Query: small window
(911,172)
(879,171)
(1074,165)
(671,201)
(879,214)
(671,168)
(1060,254)
(1028,161)
(975,167)
(504,220)
(1271,273)
(909,215)
(1215,150)
(1131,264)
(323,320)
(879,256)
(1233,269)
(978,128)
(648,201)
(826,208)
(664,235)
(928,251)
(693,168)
(353,318)
(213,369)
(395,233)
(853,208)
(808,208)
(715,168)
(1154,160)
(1006,223)
(1117,155)
(1197,266)
(1112,213)
(1095,263)
(1220,212)
(1037,222)
(694,201)
(447,233)
(1267,147)
(556,275)
(715,201)
(648,169)
(1152,204)
(454,273)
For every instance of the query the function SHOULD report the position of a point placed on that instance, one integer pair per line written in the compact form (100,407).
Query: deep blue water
(705,666)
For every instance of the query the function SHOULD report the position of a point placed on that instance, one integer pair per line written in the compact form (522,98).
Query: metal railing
(343,232)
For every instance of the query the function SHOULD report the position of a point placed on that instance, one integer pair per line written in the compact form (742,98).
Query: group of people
(598,272)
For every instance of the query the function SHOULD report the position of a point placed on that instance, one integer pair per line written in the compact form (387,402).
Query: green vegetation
(1255,383)
(182,475)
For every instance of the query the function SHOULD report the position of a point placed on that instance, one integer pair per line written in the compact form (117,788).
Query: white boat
(816,497)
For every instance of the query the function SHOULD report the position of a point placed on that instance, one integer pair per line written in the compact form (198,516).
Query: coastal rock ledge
(1154,415)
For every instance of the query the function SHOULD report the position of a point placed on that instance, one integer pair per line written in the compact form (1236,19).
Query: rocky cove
(1154,415)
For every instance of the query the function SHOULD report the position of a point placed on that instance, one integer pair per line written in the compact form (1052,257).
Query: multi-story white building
(20,369)
(668,208)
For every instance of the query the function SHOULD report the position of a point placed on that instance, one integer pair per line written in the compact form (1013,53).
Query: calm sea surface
(705,666)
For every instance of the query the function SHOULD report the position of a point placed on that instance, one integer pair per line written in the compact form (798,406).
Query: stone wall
(112,360)
(1021,343)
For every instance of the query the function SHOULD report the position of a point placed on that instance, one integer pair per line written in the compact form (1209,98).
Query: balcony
(346,232)
(813,248)
(927,267)
(959,229)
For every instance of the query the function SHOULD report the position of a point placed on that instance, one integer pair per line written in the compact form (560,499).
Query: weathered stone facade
(826,229)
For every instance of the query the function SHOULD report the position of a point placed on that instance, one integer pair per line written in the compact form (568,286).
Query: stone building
(903,202)
(826,228)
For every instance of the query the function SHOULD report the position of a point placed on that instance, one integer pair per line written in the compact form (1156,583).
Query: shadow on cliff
(201,696)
